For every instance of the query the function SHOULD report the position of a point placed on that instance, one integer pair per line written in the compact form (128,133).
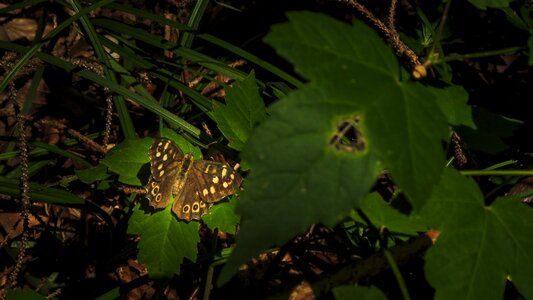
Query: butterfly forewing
(166,161)
(217,180)
(165,158)
(206,182)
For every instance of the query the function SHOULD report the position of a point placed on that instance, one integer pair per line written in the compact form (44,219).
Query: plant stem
(497,172)
(500,165)
(397,274)
(454,57)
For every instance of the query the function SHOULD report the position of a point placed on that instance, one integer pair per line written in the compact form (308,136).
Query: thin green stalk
(450,161)
(440,30)
(209,279)
(497,173)
(397,274)
(501,165)
(455,57)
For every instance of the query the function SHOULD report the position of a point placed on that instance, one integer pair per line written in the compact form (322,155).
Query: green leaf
(223,216)
(356,71)
(165,241)
(483,4)
(92,174)
(243,110)
(383,215)
(127,159)
(297,178)
(347,292)
(478,245)
(453,103)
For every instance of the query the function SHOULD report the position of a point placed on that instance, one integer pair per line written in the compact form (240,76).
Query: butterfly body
(195,185)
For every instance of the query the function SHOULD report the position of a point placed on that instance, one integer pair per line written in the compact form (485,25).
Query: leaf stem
(500,165)
(454,57)
(397,274)
(497,173)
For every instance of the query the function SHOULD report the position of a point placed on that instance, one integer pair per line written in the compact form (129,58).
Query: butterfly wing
(166,161)
(206,182)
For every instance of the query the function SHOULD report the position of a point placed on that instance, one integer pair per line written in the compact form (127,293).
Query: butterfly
(194,184)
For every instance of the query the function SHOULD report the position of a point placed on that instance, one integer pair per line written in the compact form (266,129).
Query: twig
(392,14)
(389,31)
(369,267)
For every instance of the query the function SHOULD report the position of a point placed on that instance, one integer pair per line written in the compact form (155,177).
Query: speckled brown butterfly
(195,185)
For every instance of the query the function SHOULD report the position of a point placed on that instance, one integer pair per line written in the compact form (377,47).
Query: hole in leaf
(348,136)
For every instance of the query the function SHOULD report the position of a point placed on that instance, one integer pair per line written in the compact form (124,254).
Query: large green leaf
(356,71)
(243,110)
(299,179)
(165,241)
(478,245)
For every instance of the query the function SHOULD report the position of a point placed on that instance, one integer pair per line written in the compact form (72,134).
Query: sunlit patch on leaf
(348,135)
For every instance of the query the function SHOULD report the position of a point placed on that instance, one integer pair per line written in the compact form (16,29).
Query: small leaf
(478,245)
(383,215)
(127,159)
(347,292)
(165,241)
(453,103)
(223,216)
(92,174)
(243,110)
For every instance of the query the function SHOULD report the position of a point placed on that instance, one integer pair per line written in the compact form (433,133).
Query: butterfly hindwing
(159,192)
